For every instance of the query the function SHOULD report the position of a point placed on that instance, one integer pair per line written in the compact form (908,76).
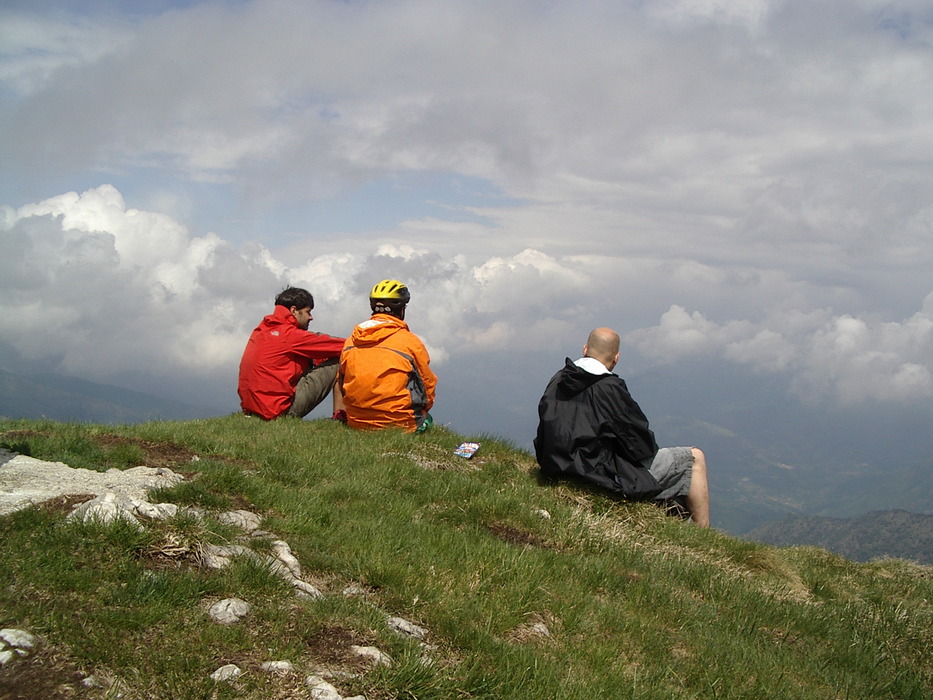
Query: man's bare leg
(338,394)
(698,496)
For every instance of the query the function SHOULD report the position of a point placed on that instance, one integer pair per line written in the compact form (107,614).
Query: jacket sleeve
(423,364)
(315,346)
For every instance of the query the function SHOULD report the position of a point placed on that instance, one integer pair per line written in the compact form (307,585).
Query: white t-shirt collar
(592,365)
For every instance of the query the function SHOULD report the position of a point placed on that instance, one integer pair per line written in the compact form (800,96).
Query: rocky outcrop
(25,481)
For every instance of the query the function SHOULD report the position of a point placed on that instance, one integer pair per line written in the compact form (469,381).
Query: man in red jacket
(285,370)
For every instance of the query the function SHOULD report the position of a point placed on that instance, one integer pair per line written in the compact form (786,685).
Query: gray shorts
(673,468)
(313,387)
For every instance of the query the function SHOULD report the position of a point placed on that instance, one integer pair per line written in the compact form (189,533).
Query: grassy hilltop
(526,589)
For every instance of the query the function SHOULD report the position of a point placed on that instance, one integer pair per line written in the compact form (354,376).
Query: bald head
(603,345)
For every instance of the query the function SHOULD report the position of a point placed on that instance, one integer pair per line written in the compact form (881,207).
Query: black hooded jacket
(590,427)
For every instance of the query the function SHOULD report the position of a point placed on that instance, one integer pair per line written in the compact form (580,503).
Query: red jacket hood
(280,316)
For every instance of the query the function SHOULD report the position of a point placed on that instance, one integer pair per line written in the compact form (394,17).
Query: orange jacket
(385,375)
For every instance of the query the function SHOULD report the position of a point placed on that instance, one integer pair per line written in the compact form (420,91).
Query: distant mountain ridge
(893,533)
(68,399)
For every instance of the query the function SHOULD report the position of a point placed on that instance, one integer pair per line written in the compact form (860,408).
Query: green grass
(635,604)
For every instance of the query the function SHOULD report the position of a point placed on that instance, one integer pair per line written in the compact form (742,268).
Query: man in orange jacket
(286,370)
(385,372)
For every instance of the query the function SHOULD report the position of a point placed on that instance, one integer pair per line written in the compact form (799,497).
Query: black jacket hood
(575,380)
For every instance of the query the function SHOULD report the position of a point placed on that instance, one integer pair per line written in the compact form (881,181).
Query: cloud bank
(743,180)
(94,288)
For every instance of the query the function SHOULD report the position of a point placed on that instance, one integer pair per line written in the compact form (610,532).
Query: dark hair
(295,296)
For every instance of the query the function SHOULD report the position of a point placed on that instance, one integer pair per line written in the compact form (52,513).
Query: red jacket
(386,376)
(277,354)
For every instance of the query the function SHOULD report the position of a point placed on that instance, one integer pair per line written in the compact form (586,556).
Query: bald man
(591,428)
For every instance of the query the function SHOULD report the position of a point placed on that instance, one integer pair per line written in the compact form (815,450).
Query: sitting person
(591,428)
(285,370)
(385,372)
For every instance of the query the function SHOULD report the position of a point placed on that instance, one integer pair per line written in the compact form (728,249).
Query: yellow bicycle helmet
(391,291)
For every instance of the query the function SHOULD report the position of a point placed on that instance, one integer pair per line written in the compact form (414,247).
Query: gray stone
(278,667)
(229,610)
(321,690)
(155,511)
(405,627)
(243,519)
(284,554)
(226,673)
(372,653)
(18,639)
(109,508)
(218,556)
(306,590)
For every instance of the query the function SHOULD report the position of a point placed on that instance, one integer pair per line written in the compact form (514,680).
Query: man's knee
(699,460)
(313,388)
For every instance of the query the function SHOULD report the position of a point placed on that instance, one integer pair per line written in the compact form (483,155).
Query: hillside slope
(525,588)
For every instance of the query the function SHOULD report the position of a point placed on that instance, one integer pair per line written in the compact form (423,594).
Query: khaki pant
(313,387)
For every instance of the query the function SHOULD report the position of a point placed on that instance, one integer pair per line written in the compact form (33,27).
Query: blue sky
(743,180)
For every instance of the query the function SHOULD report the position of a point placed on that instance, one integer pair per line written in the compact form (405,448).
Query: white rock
(229,610)
(354,589)
(243,519)
(6,656)
(278,568)
(25,481)
(406,627)
(108,508)
(284,554)
(378,658)
(279,667)
(306,589)
(155,511)
(321,689)
(218,556)
(226,673)
(543,513)
(19,639)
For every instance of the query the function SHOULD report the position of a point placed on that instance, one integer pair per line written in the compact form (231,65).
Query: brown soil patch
(158,454)
(329,648)
(514,535)
(44,674)
(63,505)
